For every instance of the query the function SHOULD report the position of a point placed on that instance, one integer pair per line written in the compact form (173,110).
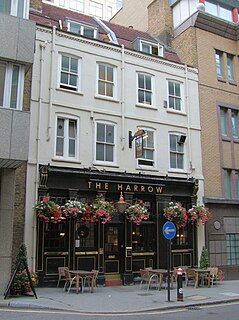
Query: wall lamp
(182,139)
(121,205)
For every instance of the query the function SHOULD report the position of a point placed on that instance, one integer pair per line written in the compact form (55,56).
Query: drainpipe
(188,121)
(122,98)
(51,82)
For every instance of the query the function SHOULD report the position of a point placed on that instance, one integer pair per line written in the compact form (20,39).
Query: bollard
(179,284)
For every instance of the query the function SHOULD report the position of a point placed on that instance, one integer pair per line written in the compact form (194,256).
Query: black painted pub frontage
(118,248)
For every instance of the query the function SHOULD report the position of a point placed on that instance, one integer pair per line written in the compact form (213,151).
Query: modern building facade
(16,59)
(205,35)
(103,9)
(93,86)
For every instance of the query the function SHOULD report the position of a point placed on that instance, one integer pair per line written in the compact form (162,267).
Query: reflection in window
(143,237)
(55,237)
(235,123)
(218,57)
(85,236)
(111,241)
(223,117)
(230,71)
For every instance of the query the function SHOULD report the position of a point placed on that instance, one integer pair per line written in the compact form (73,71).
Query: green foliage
(204,260)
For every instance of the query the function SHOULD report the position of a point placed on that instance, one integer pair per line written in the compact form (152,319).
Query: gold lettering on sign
(98,185)
(142,188)
(136,188)
(150,189)
(89,184)
(106,186)
(159,189)
(128,188)
(120,187)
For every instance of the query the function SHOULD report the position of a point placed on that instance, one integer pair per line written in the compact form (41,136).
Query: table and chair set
(155,278)
(81,279)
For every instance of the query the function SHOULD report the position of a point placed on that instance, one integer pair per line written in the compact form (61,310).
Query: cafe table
(203,273)
(160,273)
(84,275)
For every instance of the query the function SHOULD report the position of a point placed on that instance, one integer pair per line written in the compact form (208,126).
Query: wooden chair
(90,281)
(190,275)
(69,280)
(213,275)
(61,275)
(148,278)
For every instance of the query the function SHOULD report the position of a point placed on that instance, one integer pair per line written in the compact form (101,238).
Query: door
(114,253)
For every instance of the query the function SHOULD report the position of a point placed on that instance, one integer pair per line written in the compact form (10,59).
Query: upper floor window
(106,80)
(105,142)
(62,3)
(219,65)
(69,74)
(227,183)
(229,122)
(11,85)
(77,5)
(148,149)
(17,8)
(151,48)
(82,29)
(109,12)
(96,9)
(67,132)
(176,151)
(230,71)
(218,10)
(174,95)
(145,89)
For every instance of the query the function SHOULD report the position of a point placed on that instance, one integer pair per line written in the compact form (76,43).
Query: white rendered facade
(85,107)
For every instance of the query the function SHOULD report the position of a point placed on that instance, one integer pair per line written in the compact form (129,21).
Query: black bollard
(179,284)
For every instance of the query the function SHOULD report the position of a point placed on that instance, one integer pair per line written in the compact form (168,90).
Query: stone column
(7,188)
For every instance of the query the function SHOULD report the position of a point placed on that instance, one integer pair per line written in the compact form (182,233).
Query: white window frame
(14,8)
(219,63)
(218,10)
(77,5)
(114,146)
(96,9)
(174,96)
(65,86)
(7,86)
(106,81)
(144,160)
(150,46)
(177,152)
(145,90)
(66,138)
(230,69)
(82,28)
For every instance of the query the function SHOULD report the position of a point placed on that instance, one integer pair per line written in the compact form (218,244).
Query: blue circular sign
(169,230)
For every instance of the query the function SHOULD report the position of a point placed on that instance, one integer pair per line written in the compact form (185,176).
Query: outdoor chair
(61,275)
(190,275)
(91,280)
(213,275)
(148,278)
(71,280)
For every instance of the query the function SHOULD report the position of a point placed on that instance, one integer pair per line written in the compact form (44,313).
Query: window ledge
(105,164)
(70,91)
(225,138)
(147,106)
(221,79)
(180,171)
(232,82)
(146,168)
(106,98)
(182,113)
(65,160)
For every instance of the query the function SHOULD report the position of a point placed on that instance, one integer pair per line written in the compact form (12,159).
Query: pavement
(124,299)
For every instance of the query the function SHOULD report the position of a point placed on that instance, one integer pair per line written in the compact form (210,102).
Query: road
(210,312)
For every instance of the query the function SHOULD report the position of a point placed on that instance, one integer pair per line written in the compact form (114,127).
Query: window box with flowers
(199,214)
(48,211)
(176,213)
(137,212)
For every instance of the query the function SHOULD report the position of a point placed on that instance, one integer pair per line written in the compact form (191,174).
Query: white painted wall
(48,100)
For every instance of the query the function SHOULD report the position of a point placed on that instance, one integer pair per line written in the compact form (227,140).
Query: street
(210,312)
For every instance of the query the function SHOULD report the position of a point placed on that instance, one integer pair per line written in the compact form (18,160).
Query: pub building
(118,248)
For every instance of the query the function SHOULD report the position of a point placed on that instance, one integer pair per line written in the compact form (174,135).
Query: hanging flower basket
(103,209)
(88,214)
(73,209)
(198,214)
(137,212)
(48,211)
(176,213)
